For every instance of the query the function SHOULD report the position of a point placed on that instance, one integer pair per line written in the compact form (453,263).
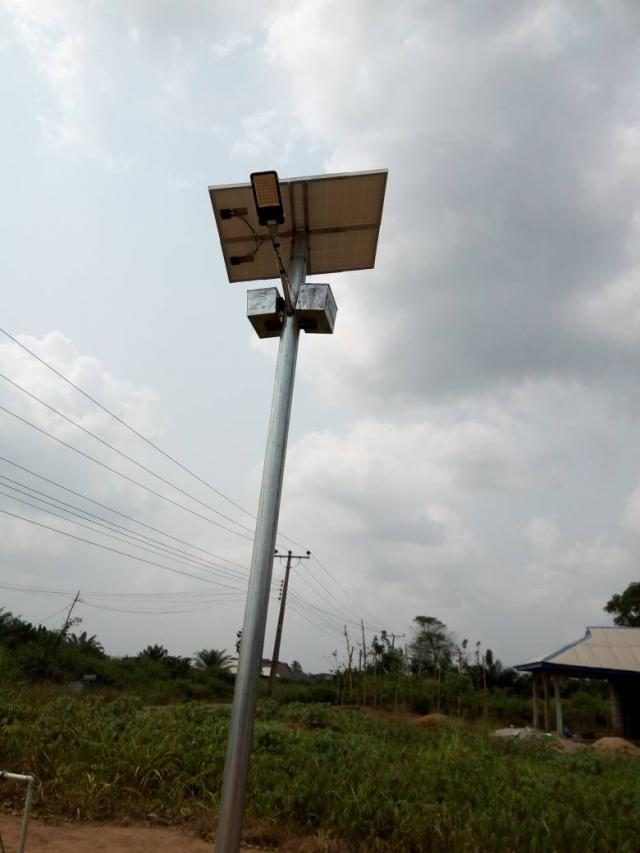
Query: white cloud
(497,228)
(222,49)
(613,312)
(543,534)
(631,514)
(61,45)
(80,52)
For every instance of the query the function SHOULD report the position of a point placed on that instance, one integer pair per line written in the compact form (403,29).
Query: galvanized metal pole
(30,780)
(236,769)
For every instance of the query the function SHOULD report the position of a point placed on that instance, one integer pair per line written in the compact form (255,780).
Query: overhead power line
(173,611)
(122,453)
(121,474)
(117,512)
(346,592)
(171,458)
(327,621)
(112,550)
(337,618)
(322,592)
(332,616)
(184,595)
(51,615)
(135,432)
(78,512)
(126,540)
(181,603)
(334,635)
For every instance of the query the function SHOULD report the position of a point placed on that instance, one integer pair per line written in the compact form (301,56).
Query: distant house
(284,671)
(612,654)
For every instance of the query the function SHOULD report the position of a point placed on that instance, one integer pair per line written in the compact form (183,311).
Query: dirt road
(98,838)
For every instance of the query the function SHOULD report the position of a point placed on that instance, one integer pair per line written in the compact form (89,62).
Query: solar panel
(341,214)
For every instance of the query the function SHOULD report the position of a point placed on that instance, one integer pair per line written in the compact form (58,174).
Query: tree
(212,659)
(388,658)
(463,655)
(626,606)
(432,647)
(86,643)
(154,652)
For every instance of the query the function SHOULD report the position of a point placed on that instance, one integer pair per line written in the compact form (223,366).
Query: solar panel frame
(341,212)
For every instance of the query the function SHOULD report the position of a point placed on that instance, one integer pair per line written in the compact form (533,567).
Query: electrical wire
(330,617)
(258,241)
(320,627)
(121,474)
(51,615)
(136,432)
(345,591)
(185,595)
(122,453)
(128,426)
(342,614)
(78,512)
(112,550)
(117,512)
(126,541)
(172,611)
(151,472)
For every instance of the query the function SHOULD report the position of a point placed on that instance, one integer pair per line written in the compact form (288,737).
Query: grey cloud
(497,129)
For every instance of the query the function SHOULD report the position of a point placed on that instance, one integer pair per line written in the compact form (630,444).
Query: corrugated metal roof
(600,648)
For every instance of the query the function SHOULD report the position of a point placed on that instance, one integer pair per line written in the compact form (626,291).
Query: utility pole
(283,601)
(393,639)
(67,621)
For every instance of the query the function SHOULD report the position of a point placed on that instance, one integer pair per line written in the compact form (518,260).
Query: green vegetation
(626,606)
(35,654)
(432,674)
(346,780)
(367,783)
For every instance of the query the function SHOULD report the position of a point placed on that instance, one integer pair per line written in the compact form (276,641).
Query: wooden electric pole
(283,602)
(67,621)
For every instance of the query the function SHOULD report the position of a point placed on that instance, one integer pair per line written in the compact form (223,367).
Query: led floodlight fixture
(266,193)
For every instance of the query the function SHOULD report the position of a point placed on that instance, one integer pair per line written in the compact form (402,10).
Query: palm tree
(154,652)
(87,643)
(212,659)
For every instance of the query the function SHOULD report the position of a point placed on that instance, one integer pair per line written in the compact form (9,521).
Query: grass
(368,784)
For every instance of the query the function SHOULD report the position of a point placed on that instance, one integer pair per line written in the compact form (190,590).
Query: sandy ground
(96,838)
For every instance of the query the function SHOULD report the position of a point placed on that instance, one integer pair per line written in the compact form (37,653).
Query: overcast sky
(465,446)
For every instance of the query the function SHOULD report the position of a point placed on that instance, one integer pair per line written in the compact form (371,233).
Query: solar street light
(331,224)
(267,197)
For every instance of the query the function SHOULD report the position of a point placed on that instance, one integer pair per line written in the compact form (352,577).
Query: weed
(348,779)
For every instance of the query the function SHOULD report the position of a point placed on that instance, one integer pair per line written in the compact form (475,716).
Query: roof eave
(578,671)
